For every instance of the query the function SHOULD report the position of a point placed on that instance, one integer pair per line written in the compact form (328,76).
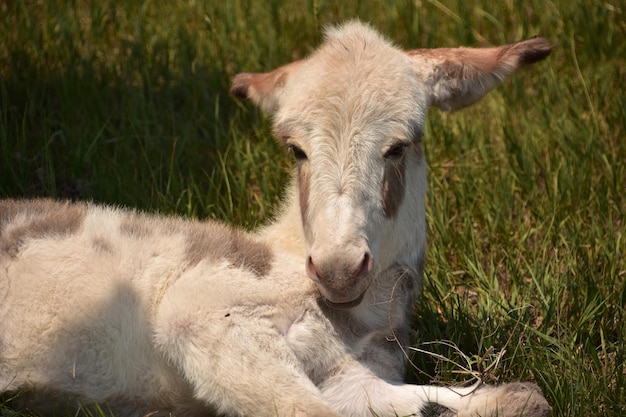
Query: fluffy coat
(149,315)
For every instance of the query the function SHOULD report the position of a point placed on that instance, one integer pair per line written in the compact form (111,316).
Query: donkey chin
(340,301)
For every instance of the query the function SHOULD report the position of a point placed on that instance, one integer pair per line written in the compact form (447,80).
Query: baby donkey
(148,315)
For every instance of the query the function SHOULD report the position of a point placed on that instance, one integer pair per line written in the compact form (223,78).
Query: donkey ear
(458,77)
(264,89)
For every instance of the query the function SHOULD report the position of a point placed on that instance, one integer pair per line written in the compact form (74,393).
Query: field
(127,103)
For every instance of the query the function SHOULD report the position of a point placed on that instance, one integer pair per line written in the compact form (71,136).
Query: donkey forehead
(353,83)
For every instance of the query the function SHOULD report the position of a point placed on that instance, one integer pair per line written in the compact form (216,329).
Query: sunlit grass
(127,103)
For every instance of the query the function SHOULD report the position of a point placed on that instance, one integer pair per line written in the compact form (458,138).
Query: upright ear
(264,89)
(458,77)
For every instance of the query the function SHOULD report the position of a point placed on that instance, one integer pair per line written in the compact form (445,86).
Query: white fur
(144,314)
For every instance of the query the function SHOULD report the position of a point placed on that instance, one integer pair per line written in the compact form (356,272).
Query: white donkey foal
(148,315)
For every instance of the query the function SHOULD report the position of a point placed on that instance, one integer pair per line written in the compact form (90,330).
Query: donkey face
(353,116)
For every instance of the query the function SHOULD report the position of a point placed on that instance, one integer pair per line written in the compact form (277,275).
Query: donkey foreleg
(233,357)
(245,373)
(356,391)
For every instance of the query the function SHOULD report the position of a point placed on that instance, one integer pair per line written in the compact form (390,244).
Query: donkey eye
(297,153)
(396,151)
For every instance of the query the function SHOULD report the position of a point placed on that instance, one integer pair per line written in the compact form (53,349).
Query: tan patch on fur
(252,255)
(101,245)
(135,226)
(207,241)
(393,186)
(215,242)
(304,179)
(21,220)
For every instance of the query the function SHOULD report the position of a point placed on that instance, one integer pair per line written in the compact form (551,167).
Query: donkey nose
(338,274)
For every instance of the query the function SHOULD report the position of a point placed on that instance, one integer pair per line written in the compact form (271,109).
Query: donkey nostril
(310,268)
(337,270)
(366,265)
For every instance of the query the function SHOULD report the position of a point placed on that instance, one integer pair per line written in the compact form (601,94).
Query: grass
(126,103)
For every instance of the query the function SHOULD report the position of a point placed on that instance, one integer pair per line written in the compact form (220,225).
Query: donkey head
(353,116)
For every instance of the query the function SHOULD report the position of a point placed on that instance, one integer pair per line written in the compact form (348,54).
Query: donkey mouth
(344,305)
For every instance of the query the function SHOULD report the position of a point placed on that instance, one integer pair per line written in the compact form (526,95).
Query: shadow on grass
(149,134)
(68,131)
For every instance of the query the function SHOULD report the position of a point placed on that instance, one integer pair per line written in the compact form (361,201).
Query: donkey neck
(395,288)
(285,233)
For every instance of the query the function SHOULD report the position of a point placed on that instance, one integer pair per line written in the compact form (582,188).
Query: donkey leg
(234,358)
(513,399)
(356,391)
(245,372)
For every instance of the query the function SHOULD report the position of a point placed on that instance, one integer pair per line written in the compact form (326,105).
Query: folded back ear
(458,77)
(263,89)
